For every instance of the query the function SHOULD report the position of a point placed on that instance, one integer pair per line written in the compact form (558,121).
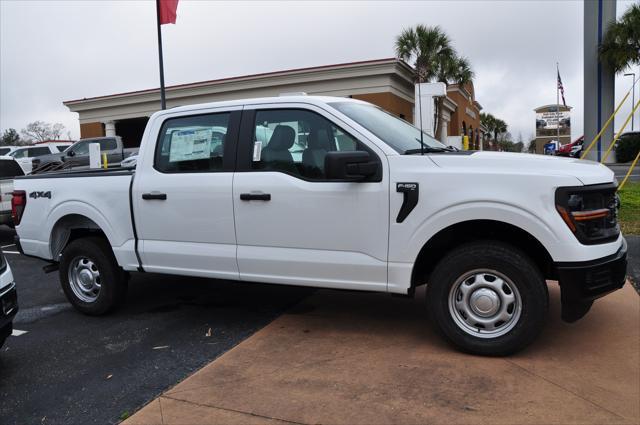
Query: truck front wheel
(488,298)
(90,276)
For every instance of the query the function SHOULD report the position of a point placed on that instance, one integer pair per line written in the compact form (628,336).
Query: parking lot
(70,368)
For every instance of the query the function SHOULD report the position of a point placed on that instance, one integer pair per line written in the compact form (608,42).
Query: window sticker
(257,151)
(190,145)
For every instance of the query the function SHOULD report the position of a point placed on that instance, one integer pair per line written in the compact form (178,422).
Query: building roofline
(247,77)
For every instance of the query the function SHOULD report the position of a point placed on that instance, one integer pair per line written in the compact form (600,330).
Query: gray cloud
(52,51)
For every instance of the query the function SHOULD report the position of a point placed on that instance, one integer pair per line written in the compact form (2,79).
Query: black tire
(464,266)
(112,279)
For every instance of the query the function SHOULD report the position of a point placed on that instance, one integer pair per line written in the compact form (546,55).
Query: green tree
(434,59)
(620,46)
(10,137)
(495,126)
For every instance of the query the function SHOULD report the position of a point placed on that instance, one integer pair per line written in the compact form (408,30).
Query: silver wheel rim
(84,279)
(485,303)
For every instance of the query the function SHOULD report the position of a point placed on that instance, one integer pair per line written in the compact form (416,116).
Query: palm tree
(488,121)
(493,125)
(434,59)
(620,47)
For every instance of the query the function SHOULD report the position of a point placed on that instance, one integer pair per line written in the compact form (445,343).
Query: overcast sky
(52,51)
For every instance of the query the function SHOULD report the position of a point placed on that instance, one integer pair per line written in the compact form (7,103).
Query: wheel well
(70,228)
(449,238)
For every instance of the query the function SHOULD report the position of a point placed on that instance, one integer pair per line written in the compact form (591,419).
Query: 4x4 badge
(36,195)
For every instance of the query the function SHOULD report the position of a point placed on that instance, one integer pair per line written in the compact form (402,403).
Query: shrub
(627,147)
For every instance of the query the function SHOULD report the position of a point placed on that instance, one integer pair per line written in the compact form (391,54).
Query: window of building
(192,144)
(296,142)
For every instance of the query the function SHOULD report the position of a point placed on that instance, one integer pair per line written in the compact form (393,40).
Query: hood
(588,172)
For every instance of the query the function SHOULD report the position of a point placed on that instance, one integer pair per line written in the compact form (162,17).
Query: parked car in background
(9,169)
(78,153)
(6,150)
(25,154)
(364,206)
(8,300)
(130,161)
(565,150)
(628,146)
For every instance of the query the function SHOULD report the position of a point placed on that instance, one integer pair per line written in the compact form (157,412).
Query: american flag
(561,88)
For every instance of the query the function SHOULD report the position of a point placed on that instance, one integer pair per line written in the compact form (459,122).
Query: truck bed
(89,198)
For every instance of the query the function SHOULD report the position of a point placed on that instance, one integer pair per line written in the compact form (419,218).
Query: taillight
(18,203)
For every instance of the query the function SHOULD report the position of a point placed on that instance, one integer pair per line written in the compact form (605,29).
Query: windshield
(397,133)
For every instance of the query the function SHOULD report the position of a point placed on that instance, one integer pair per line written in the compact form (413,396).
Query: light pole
(633,96)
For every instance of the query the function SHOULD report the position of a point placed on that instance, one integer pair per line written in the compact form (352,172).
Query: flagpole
(162,96)
(557,100)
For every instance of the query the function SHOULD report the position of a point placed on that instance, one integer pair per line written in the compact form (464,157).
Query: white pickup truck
(334,193)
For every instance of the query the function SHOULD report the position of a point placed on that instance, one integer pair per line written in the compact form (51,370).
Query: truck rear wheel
(90,276)
(488,298)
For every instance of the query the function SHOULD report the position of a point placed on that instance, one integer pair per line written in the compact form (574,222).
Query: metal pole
(163,104)
(558,102)
(633,97)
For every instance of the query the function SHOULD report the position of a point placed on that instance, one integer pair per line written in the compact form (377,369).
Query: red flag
(167,10)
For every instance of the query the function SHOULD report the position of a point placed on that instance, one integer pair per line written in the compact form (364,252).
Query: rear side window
(9,169)
(192,144)
(108,144)
(42,150)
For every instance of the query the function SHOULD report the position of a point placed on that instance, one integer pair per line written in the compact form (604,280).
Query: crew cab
(77,154)
(334,193)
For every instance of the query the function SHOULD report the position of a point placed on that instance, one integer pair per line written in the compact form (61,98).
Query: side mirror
(350,166)
(71,153)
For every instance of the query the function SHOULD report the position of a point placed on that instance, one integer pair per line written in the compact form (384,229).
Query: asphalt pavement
(621,170)
(74,369)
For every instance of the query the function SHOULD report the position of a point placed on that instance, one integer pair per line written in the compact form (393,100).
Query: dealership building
(387,83)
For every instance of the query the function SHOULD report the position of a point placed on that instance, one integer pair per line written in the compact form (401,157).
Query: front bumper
(8,309)
(583,282)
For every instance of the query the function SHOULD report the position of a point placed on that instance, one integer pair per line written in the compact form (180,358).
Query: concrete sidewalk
(349,358)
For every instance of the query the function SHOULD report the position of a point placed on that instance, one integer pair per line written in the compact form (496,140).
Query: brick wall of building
(91,129)
(389,102)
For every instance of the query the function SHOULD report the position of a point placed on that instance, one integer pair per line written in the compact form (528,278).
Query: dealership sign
(548,122)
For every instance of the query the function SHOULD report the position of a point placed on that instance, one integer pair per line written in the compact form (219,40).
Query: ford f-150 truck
(334,193)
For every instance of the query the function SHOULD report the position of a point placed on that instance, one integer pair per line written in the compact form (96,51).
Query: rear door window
(192,144)
(9,169)
(108,144)
(41,150)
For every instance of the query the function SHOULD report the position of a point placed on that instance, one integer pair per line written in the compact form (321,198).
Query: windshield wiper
(427,149)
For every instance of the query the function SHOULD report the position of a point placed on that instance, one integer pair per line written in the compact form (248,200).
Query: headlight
(591,212)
